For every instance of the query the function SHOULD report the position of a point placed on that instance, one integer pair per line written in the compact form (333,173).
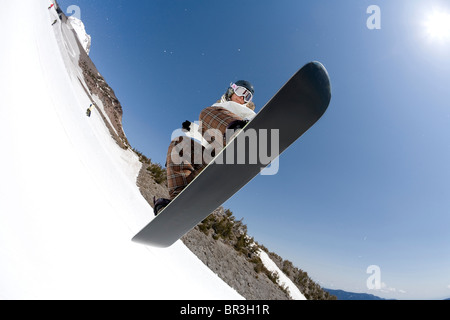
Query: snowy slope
(283,280)
(80,30)
(69,204)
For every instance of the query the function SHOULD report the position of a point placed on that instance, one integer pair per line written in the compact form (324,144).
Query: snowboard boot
(159,204)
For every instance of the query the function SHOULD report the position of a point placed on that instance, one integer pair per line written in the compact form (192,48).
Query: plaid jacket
(183,163)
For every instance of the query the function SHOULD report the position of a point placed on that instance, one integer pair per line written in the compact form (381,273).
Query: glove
(237,124)
(187,125)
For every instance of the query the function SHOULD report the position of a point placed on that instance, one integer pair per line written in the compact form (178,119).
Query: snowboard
(294,109)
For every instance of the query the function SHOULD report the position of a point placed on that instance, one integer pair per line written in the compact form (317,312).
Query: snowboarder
(54,22)
(51,6)
(233,111)
(287,116)
(89,110)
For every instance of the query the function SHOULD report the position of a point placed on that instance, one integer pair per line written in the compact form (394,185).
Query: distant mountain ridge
(344,295)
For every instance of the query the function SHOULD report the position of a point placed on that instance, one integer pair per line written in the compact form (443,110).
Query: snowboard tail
(294,109)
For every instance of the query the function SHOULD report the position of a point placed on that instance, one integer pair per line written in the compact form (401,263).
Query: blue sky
(369,184)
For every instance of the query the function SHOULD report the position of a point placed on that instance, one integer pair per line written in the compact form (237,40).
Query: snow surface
(283,280)
(80,30)
(69,205)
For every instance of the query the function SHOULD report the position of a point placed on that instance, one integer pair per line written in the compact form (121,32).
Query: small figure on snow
(54,22)
(51,6)
(232,112)
(89,110)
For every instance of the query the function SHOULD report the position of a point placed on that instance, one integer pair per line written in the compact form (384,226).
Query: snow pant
(185,156)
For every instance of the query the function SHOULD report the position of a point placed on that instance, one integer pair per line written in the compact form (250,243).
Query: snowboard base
(297,106)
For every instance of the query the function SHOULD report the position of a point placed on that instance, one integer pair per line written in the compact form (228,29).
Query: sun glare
(438,25)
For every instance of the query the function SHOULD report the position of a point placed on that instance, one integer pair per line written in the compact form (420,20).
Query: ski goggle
(242,92)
